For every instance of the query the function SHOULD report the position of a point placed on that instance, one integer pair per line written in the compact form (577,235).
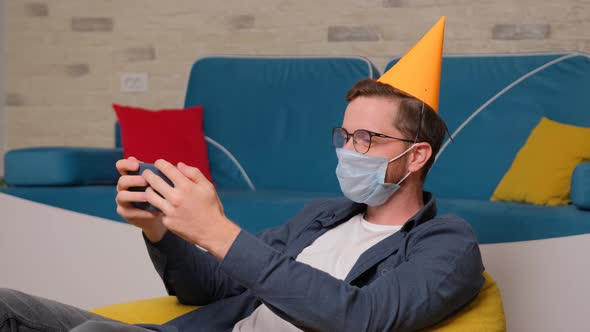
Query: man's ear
(419,156)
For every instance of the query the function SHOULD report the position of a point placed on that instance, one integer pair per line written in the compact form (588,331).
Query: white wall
(78,270)
(2,91)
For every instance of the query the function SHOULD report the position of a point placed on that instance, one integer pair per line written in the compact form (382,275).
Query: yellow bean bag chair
(485,313)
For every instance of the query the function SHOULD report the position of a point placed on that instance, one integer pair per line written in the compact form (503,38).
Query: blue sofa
(268,121)
(268,125)
(491,104)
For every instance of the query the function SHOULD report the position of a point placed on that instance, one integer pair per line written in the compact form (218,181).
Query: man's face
(377,114)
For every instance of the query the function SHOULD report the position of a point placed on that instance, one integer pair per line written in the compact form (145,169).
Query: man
(379,260)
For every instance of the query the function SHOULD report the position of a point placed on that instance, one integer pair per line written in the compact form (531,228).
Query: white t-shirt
(335,252)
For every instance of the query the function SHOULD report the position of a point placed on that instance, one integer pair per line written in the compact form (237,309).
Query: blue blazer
(414,278)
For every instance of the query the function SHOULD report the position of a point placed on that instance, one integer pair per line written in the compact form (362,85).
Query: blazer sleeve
(193,275)
(188,272)
(441,273)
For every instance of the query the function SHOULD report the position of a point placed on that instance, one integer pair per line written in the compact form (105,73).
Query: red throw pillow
(173,135)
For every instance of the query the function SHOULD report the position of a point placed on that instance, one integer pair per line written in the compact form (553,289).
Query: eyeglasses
(361,138)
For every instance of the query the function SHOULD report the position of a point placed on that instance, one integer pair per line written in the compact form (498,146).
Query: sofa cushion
(94,200)
(493,222)
(497,222)
(59,166)
(172,134)
(253,211)
(274,115)
(256,211)
(542,170)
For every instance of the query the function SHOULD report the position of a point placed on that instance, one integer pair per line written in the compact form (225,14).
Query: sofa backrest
(268,120)
(491,103)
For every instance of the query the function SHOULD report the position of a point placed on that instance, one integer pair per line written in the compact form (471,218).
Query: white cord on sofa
(233,159)
(499,94)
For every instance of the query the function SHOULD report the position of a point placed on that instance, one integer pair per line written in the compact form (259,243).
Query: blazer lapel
(391,244)
(375,254)
(340,211)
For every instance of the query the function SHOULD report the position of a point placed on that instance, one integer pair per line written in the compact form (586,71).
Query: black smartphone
(142,168)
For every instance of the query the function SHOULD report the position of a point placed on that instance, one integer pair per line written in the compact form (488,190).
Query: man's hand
(149,221)
(191,209)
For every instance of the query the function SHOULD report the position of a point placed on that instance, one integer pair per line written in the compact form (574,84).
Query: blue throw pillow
(580,190)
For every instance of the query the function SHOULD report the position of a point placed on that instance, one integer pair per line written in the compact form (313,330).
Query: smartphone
(142,168)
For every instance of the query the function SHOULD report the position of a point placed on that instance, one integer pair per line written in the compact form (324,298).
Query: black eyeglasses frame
(371,135)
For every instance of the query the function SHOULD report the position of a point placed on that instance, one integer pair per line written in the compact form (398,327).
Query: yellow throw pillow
(151,311)
(484,314)
(541,172)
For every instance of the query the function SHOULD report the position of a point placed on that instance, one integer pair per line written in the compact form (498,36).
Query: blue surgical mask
(362,177)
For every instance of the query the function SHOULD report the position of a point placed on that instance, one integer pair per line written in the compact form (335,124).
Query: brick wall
(64,58)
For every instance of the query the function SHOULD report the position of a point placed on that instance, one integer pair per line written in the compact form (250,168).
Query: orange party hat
(418,72)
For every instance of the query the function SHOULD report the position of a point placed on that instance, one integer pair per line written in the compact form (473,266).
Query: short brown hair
(432,130)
